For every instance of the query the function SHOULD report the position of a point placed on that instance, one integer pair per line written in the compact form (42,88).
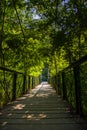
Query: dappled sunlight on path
(40,109)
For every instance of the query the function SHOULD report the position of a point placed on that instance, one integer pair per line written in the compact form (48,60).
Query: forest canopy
(38,32)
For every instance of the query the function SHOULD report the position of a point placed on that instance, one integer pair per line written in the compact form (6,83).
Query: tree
(57,35)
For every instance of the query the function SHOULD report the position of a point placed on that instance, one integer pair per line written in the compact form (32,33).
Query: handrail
(14,84)
(72,85)
(76,63)
(10,70)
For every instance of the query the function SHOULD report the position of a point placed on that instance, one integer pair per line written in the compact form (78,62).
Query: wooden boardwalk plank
(41,109)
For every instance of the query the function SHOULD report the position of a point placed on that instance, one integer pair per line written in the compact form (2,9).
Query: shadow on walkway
(41,109)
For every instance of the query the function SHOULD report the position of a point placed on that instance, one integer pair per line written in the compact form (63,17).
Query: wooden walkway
(41,109)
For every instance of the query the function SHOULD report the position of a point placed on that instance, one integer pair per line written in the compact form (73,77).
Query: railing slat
(14,86)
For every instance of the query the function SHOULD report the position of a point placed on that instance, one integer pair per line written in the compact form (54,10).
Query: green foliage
(29,42)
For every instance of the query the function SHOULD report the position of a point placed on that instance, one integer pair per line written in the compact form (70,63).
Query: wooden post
(32,81)
(14,86)
(29,82)
(77,90)
(24,83)
(54,78)
(58,83)
(64,86)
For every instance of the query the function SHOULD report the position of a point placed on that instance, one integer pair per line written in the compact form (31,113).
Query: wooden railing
(71,83)
(14,84)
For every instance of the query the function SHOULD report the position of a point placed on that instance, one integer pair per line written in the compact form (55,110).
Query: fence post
(64,86)
(58,84)
(24,83)
(54,80)
(14,86)
(29,82)
(33,82)
(77,90)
